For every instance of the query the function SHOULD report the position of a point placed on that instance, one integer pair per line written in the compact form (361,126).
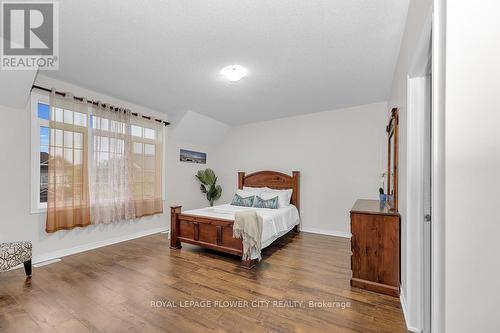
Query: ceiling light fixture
(234,72)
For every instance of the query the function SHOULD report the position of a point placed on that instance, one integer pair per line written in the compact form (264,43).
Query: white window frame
(36,206)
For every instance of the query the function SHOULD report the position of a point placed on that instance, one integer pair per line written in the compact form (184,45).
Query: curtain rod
(166,123)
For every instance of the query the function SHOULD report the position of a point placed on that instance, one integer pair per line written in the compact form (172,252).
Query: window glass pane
(137,148)
(104,124)
(44,136)
(58,114)
(136,130)
(104,144)
(137,175)
(80,119)
(149,149)
(149,162)
(68,139)
(103,190)
(149,176)
(78,156)
(68,117)
(116,146)
(103,176)
(44,155)
(56,137)
(137,162)
(58,152)
(149,133)
(78,140)
(68,156)
(137,192)
(44,182)
(43,111)
(77,193)
(117,126)
(103,158)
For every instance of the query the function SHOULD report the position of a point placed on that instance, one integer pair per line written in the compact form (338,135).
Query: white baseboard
(343,234)
(90,246)
(402,299)
(45,263)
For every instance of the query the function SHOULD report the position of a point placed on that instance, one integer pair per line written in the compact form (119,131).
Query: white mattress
(276,222)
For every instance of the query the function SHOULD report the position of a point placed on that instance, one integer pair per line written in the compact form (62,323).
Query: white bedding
(276,222)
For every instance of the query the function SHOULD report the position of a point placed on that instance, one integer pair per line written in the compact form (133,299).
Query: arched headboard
(275,180)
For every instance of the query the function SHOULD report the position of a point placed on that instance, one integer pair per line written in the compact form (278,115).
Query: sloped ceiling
(197,128)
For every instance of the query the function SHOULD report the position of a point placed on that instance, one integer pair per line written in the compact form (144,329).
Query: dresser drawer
(375,246)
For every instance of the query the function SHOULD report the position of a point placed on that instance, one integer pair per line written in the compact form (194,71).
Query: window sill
(35,211)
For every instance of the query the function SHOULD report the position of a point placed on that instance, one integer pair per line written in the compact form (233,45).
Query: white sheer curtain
(111,181)
(147,165)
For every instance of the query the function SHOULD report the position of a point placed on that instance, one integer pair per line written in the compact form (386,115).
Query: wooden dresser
(375,246)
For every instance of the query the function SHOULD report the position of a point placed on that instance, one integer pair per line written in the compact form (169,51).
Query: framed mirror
(392,160)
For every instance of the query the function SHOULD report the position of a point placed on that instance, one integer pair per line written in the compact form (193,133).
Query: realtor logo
(29,35)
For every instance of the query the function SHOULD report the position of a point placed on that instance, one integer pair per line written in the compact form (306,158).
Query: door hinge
(427,217)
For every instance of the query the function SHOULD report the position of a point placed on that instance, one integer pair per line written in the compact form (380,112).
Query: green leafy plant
(208,186)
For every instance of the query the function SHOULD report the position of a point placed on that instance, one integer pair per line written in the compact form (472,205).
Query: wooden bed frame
(217,234)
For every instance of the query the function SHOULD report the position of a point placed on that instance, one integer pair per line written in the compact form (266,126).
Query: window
(40,151)
(146,161)
(68,139)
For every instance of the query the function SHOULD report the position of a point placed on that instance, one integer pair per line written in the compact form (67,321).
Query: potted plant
(208,186)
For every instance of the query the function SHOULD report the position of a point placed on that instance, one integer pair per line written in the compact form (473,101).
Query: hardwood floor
(111,289)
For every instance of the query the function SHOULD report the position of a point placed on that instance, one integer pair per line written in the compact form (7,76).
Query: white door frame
(418,95)
(433,33)
(437,166)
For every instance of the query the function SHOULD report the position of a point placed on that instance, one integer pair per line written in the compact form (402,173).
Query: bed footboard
(208,232)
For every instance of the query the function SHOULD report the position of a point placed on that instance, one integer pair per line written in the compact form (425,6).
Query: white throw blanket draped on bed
(248,226)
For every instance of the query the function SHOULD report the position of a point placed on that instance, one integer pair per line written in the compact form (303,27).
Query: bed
(212,227)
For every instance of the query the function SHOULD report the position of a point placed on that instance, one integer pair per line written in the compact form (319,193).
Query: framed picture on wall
(193,156)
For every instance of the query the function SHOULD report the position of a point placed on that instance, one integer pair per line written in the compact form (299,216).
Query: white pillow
(284,196)
(248,193)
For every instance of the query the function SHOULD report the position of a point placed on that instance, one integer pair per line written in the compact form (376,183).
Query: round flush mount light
(234,72)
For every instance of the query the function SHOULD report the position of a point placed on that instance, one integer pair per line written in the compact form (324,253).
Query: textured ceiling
(302,56)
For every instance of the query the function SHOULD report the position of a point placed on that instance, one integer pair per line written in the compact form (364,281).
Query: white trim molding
(91,246)
(437,169)
(416,100)
(418,104)
(343,234)
(35,206)
(404,307)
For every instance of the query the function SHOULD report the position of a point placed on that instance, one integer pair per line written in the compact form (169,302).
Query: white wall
(337,152)
(417,14)
(194,132)
(472,165)
(18,223)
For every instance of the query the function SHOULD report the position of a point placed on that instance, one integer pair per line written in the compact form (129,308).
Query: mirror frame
(392,130)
